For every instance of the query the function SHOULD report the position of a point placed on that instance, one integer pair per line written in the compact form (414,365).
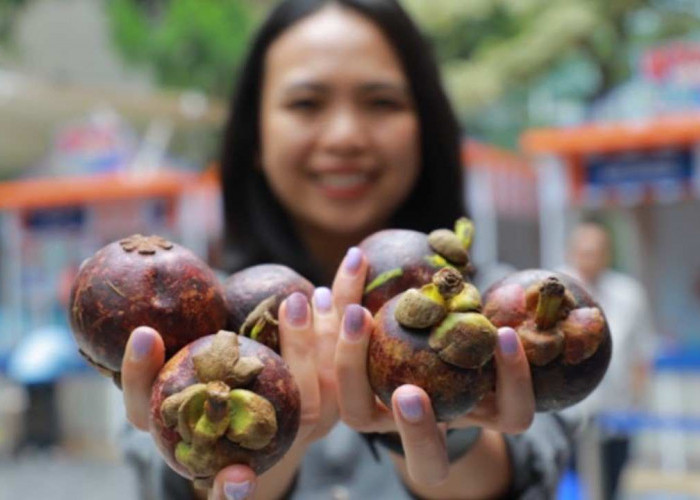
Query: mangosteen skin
(275,383)
(246,289)
(164,286)
(558,385)
(398,355)
(393,250)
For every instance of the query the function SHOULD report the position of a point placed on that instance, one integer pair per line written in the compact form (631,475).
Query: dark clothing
(615,451)
(342,466)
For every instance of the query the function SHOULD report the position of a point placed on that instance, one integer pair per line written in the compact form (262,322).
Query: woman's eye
(386,104)
(304,104)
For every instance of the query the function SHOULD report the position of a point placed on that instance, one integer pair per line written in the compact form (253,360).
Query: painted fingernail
(508,341)
(322,299)
(238,491)
(297,307)
(353,259)
(141,344)
(410,406)
(353,322)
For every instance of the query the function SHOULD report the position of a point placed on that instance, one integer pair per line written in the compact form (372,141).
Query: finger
(236,482)
(349,281)
(326,326)
(356,400)
(514,401)
(298,347)
(514,394)
(423,441)
(143,358)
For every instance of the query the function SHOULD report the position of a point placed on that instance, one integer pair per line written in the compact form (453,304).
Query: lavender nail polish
(238,491)
(353,259)
(508,341)
(297,308)
(353,322)
(410,406)
(322,299)
(141,344)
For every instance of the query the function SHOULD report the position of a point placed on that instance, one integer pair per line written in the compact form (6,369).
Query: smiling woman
(339,129)
(326,140)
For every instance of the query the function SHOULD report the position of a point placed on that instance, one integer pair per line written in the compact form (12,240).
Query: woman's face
(339,131)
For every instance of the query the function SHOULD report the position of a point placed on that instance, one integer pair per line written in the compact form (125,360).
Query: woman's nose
(344,132)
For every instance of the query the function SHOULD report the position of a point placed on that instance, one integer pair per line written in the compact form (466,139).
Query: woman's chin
(349,228)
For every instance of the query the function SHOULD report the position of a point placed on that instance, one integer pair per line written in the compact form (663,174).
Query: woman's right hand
(143,358)
(308,337)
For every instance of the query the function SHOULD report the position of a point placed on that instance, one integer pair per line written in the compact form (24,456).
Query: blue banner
(640,168)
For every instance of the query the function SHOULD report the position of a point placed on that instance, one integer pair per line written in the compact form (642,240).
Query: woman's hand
(307,342)
(143,359)
(509,409)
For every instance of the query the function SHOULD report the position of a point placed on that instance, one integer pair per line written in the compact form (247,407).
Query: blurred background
(110,117)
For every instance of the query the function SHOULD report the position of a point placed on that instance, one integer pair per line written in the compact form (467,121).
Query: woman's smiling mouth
(344,184)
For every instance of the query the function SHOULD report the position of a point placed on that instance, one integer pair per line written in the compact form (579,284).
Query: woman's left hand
(510,409)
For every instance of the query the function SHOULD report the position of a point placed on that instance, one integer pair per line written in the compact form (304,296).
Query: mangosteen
(563,331)
(253,296)
(400,259)
(436,338)
(142,280)
(223,399)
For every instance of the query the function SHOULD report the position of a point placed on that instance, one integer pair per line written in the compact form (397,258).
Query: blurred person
(628,312)
(339,127)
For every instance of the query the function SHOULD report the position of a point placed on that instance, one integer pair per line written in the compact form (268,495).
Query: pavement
(64,477)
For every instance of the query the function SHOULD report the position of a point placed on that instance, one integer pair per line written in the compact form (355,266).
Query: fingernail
(353,259)
(141,344)
(238,491)
(508,341)
(353,322)
(322,299)
(410,406)
(297,309)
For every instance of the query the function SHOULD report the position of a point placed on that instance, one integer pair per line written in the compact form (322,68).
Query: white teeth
(343,181)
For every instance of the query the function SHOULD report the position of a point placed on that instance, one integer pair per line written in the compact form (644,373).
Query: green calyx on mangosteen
(563,331)
(253,296)
(460,334)
(223,399)
(401,259)
(434,337)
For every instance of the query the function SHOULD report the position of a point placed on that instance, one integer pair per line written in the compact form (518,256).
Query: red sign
(678,63)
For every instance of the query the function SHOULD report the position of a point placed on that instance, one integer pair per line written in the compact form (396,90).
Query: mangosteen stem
(448,281)
(258,317)
(216,406)
(549,302)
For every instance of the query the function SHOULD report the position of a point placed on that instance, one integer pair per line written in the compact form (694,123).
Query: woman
(339,127)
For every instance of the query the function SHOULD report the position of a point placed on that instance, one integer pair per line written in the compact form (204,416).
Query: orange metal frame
(573,144)
(614,137)
(39,193)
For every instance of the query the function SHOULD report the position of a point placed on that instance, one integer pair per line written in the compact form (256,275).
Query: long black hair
(257,227)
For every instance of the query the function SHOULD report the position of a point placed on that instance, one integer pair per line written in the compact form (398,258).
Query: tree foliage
(187,43)
(9,9)
(497,54)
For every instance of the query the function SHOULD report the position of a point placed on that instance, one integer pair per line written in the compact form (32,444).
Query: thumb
(143,359)
(236,482)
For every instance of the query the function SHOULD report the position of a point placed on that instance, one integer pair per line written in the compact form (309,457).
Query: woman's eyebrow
(384,86)
(306,86)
